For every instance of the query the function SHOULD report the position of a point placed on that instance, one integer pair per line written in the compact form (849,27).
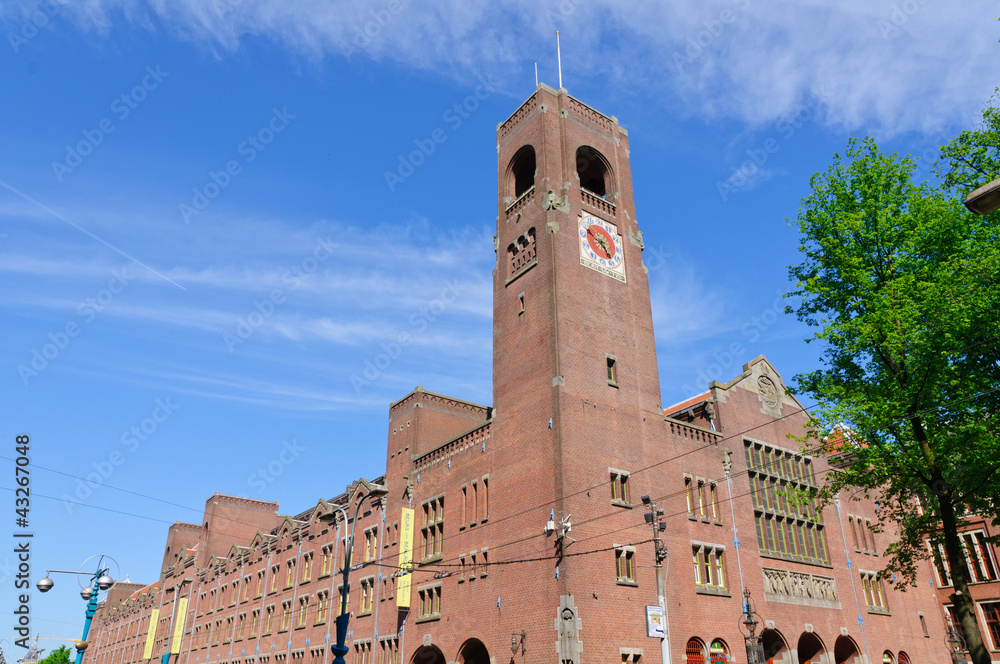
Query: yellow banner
(182,611)
(154,617)
(405,558)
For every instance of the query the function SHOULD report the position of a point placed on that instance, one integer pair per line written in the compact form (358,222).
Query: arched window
(594,171)
(887,658)
(695,652)
(718,652)
(521,175)
(903,658)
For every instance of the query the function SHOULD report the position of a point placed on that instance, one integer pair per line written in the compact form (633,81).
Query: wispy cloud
(743,59)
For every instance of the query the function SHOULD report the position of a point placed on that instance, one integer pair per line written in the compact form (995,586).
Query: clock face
(601,247)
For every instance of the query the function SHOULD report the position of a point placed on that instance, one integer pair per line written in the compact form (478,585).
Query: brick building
(530,542)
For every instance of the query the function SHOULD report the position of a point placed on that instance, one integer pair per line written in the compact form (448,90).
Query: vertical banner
(154,617)
(182,612)
(405,558)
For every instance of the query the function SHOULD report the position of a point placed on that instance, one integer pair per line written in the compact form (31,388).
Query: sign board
(182,611)
(655,626)
(405,558)
(154,617)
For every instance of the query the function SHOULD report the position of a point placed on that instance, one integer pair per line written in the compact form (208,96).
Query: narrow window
(625,565)
(619,487)
(923,624)
(687,495)
(486,497)
(520,304)
(612,371)
(714,500)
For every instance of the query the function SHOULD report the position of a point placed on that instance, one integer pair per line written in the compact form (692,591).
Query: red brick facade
(529,530)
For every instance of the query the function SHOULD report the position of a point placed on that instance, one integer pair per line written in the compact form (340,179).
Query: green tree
(60,655)
(902,283)
(972,158)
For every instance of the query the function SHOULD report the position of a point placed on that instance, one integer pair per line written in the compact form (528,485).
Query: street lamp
(654,517)
(101,580)
(986,199)
(755,649)
(956,645)
(339,649)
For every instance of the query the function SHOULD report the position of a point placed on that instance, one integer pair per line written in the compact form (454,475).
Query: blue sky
(200,241)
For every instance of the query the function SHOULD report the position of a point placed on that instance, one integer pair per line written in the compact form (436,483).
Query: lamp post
(956,645)
(99,580)
(755,649)
(339,649)
(654,517)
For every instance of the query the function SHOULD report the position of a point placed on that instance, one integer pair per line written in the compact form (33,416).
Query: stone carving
(768,391)
(799,585)
(568,626)
(555,202)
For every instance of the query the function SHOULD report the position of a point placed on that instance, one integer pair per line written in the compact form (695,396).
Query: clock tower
(575,381)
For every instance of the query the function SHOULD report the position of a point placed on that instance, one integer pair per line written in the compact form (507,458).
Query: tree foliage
(972,158)
(903,286)
(60,655)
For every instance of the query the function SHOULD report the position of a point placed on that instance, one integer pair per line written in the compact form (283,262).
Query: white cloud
(891,65)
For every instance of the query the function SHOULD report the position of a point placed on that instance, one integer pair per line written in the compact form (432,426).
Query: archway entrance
(845,651)
(473,652)
(810,649)
(427,655)
(775,649)
(695,652)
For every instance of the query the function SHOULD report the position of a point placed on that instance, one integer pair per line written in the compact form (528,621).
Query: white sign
(654,622)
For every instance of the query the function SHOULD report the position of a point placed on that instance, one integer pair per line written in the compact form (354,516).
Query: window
(522,171)
(260,584)
(923,623)
(327,560)
(485,568)
(390,650)
(955,623)
(362,652)
(465,506)
(486,497)
(625,565)
(619,487)
(303,610)
(218,631)
(274,578)
(430,603)
(789,529)
(869,536)
(255,618)
(978,556)
(290,575)
(854,532)
(520,304)
(371,543)
(268,620)
(522,252)
(612,371)
(340,597)
(307,560)
(713,499)
(874,596)
(991,612)
(701,497)
(286,615)
(433,527)
(322,602)
(709,568)
(235,594)
(688,495)
(367,595)
(239,626)
(475,503)
(246,589)
(592,170)
(941,565)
